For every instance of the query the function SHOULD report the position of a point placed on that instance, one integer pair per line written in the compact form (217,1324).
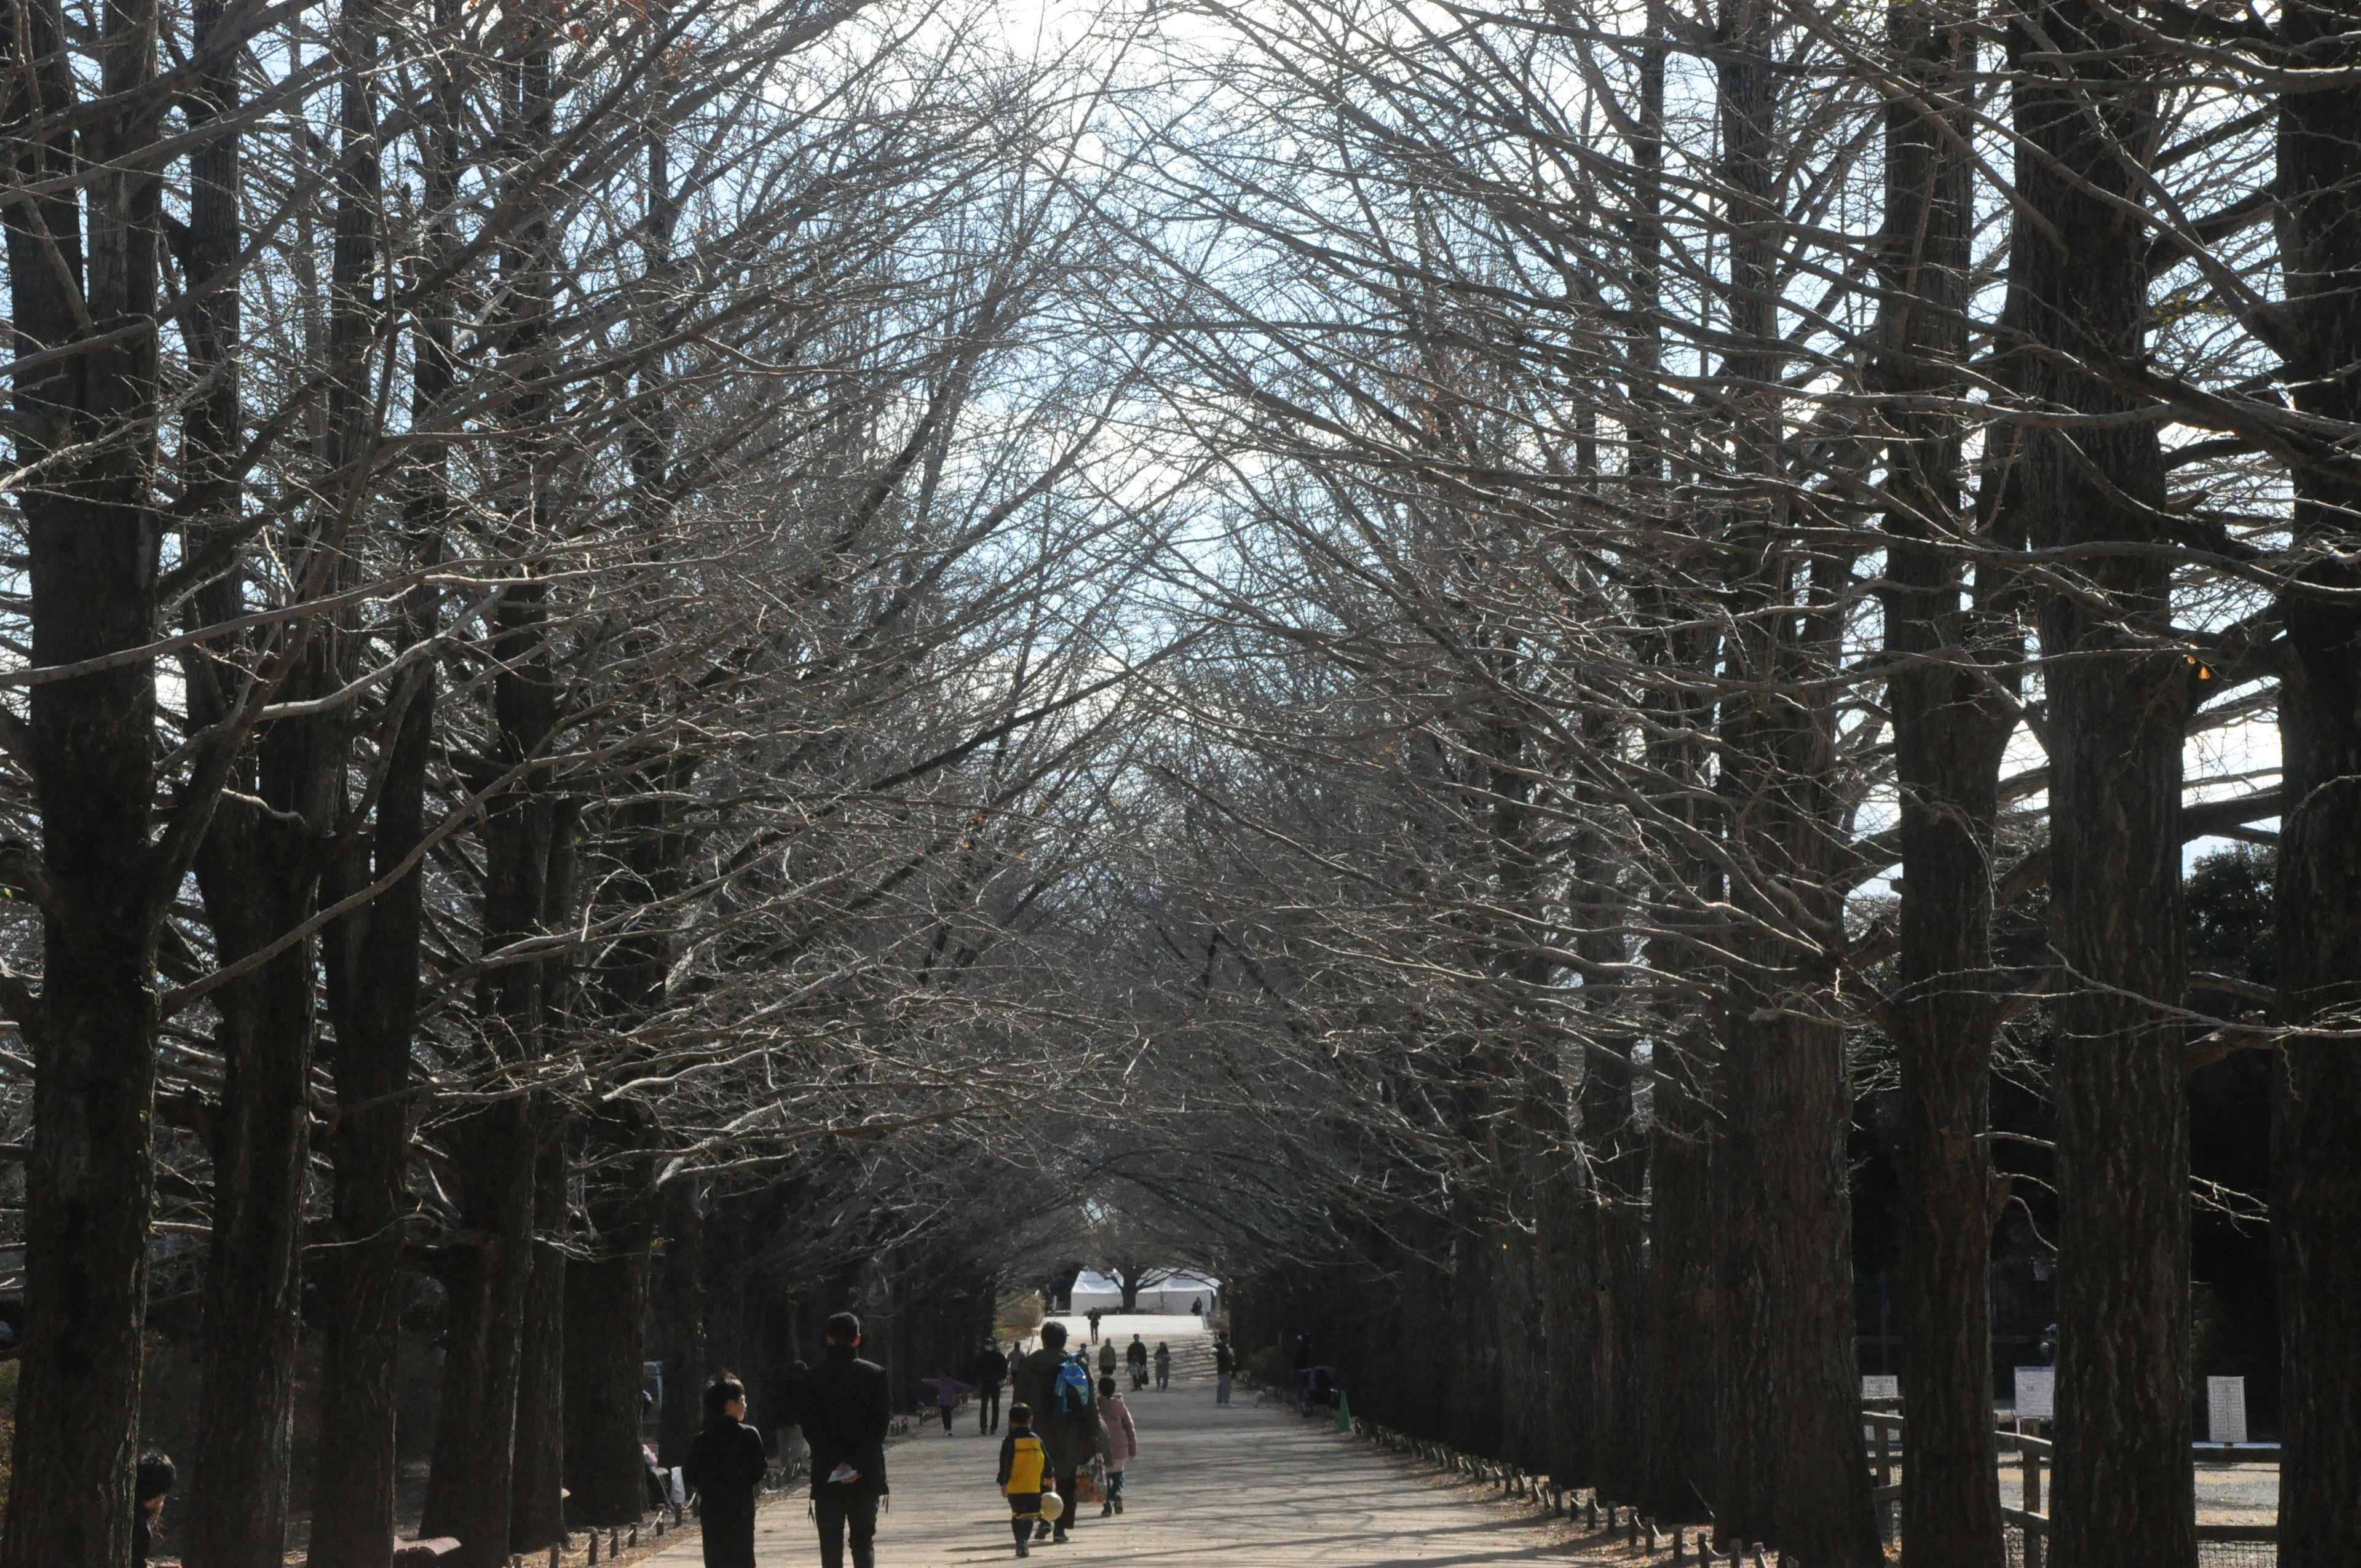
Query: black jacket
(991,1369)
(725,1468)
(846,1410)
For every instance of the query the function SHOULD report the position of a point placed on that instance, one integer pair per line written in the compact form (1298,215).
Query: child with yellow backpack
(1025,1478)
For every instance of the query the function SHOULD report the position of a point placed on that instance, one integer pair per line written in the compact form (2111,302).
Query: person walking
(725,1472)
(1226,1367)
(1057,1388)
(989,1371)
(1024,1475)
(1122,1443)
(1163,1366)
(1106,1359)
(1094,1325)
(151,1483)
(1136,1356)
(846,1412)
(947,1397)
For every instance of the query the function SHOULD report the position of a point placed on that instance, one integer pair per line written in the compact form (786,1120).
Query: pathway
(1243,1487)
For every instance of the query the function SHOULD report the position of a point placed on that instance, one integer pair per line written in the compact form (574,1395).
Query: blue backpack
(1073,1385)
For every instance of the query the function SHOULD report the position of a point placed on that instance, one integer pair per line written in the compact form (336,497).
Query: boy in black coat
(725,1470)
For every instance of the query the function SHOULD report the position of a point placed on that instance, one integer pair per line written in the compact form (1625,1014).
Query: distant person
(1122,1443)
(1024,1476)
(724,1472)
(947,1397)
(1163,1366)
(1094,1325)
(795,1449)
(989,1371)
(846,1412)
(652,1475)
(1136,1356)
(1226,1367)
(1057,1388)
(151,1483)
(1197,1307)
(1106,1359)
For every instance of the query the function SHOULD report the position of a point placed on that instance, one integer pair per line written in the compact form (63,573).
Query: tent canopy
(1161,1291)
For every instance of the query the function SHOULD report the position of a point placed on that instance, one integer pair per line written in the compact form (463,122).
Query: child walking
(1122,1443)
(1024,1476)
(947,1397)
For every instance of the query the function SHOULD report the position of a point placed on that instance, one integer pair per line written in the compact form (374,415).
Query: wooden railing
(1886,1427)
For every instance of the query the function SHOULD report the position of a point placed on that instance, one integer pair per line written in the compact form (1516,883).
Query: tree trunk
(92,536)
(2316,1148)
(1619,1154)
(680,1319)
(1951,731)
(484,1277)
(1792,1468)
(1685,1336)
(2116,707)
(258,872)
(537,1514)
(606,1327)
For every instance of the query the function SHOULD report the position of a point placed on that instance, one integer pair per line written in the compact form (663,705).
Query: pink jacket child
(1122,1432)
(1122,1444)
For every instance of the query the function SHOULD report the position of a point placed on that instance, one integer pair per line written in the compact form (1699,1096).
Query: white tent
(1165,1290)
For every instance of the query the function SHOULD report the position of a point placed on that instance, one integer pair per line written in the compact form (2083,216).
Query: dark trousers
(834,1513)
(1068,1490)
(729,1539)
(1163,1375)
(987,1409)
(946,1410)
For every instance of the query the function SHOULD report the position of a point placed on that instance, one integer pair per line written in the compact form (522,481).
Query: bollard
(635,1537)
(1632,1537)
(1590,1518)
(556,1554)
(594,1550)
(1652,1538)
(1759,1561)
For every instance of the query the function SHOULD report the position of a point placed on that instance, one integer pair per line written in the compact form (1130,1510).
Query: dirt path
(1243,1487)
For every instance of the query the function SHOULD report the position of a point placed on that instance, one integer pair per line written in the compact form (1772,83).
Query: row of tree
(559,574)
(1745,544)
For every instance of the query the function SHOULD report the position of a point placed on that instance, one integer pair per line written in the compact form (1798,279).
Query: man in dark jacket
(1069,1429)
(846,1410)
(989,1372)
(725,1470)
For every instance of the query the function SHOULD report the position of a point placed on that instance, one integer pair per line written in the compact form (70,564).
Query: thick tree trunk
(1683,1330)
(1619,1154)
(1792,1467)
(537,1514)
(2316,1148)
(1951,731)
(485,1276)
(680,1319)
(606,1326)
(1793,1470)
(2116,709)
(92,537)
(258,873)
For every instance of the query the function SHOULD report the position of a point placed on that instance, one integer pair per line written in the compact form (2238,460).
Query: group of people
(844,1409)
(1060,1428)
(1063,1425)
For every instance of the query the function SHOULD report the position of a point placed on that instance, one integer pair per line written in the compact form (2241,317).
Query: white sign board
(2035,1398)
(2225,1408)
(1885,1387)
